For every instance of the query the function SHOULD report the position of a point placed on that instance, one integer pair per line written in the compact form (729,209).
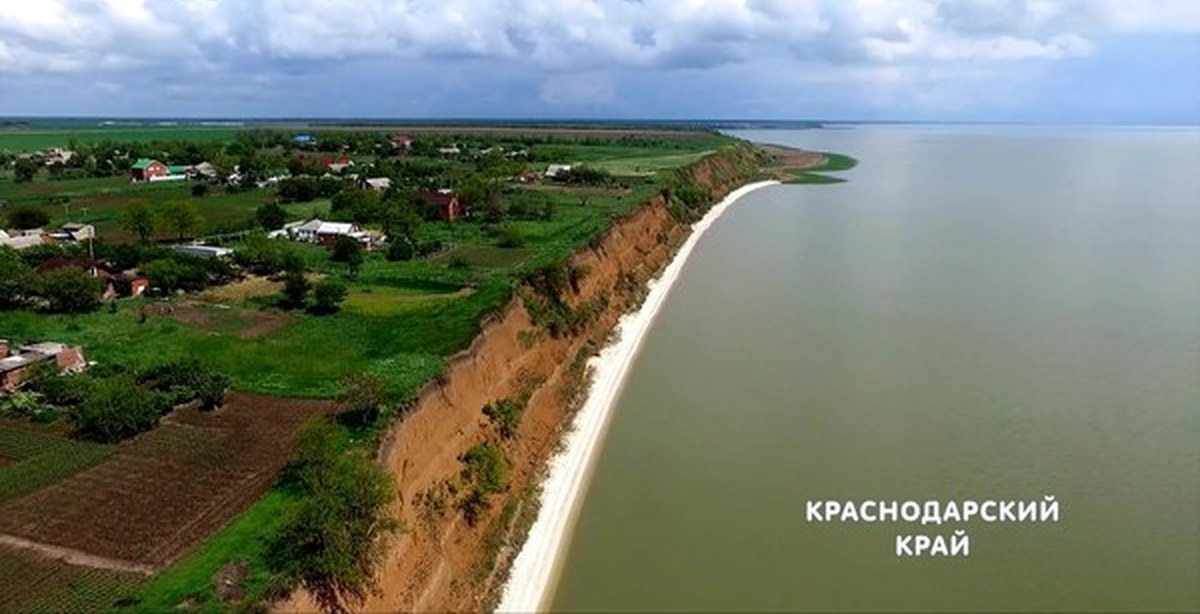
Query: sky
(1053,61)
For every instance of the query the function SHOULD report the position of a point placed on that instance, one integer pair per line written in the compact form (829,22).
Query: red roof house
(448,205)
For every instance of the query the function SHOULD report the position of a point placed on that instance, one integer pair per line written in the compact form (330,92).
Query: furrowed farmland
(205,333)
(163,492)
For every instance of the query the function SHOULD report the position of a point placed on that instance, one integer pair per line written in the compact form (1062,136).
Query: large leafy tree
(24,170)
(181,217)
(139,220)
(16,278)
(70,290)
(332,542)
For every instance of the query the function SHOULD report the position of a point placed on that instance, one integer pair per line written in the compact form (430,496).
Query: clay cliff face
(441,562)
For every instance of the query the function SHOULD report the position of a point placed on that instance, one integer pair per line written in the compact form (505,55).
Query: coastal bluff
(442,562)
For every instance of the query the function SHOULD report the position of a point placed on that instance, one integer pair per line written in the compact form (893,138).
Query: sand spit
(534,570)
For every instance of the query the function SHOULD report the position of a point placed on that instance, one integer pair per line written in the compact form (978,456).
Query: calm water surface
(979,313)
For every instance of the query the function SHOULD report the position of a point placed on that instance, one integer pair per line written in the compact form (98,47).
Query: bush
(211,390)
(485,467)
(185,380)
(328,295)
(509,237)
(363,395)
(400,250)
(25,406)
(25,217)
(70,290)
(116,409)
(506,415)
(295,289)
(199,190)
(271,216)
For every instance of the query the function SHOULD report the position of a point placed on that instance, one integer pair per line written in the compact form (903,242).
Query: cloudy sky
(1094,61)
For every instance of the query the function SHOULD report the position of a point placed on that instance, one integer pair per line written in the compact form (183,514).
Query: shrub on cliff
(505,414)
(485,471)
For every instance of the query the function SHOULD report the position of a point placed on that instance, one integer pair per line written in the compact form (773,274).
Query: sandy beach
(533,573)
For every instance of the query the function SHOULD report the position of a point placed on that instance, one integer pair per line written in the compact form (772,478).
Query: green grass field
(101,201)
(648,165)
(35,139)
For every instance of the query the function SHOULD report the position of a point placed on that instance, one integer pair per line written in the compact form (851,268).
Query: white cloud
(569,34)
(576,52)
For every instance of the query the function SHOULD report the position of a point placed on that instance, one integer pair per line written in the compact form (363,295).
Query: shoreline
(536,567)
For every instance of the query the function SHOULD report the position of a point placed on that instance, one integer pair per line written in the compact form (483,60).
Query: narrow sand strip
(534,570)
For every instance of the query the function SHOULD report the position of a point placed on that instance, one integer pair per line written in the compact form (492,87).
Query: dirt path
(76,557)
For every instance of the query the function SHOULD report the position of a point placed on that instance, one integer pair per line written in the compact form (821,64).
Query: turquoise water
(980,313)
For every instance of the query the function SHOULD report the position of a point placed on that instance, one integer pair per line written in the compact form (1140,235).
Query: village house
(14,366)
(22,239)
(94,268)
(335,165)
(204,170)
(452,150)
(130,283)
(379,184)
(528,177)
(448,206)
(274,176)
(73,233)
(57,155)
(304,139)
(325,233)
(207,252)
(556,171)
(148,170)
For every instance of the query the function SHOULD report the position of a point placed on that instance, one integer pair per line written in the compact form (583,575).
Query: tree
(70,290)
(24,217)
(139,220)
(16,279)
(24,170)
(116,409)
(331,543)
(348,250)
(180,216)
(271,216)
(328,295)
(295,288)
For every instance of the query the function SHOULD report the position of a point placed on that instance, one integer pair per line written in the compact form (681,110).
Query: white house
(379,184)
(324,233)
(207,252)
(58,155)
(74,233)
(22,239)
(554,171)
